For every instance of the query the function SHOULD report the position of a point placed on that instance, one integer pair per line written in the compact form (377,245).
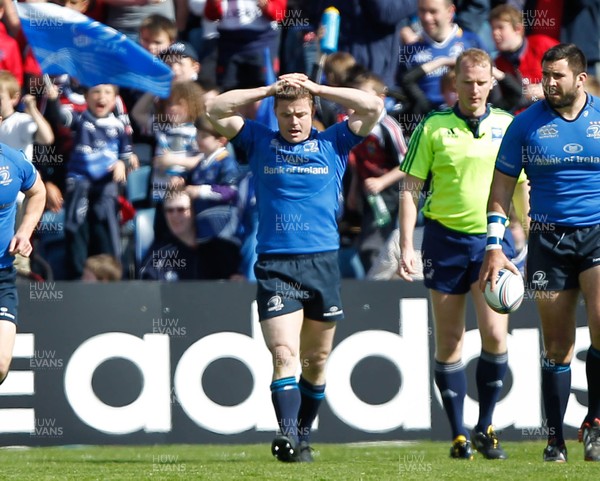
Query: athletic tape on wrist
(496,226)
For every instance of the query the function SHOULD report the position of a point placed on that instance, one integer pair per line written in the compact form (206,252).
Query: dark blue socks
(491,369)
(451,380)
(286,400)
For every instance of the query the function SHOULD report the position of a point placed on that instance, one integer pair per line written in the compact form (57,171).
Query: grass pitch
(419,461)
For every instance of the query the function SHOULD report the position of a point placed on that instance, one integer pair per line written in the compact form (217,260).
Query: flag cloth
(66,41)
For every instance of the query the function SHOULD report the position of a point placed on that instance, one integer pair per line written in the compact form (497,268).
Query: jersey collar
(472,123)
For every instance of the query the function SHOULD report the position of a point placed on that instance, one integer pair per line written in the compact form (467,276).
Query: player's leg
(316,341)
(491,370)
(449,371)
(557,314)
(590,430)
(446,256)
(321,291)
(281,315)
(8,332)
(282,337)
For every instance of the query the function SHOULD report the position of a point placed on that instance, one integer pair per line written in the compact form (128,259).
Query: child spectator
(176,147)
(102,268)
(374,164)
(183,60)
(518,55)
(20,130)
(157,33)
(98,163)
(335,70)
(213,187)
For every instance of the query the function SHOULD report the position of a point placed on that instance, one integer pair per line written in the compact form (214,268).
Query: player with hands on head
(298,177)
(456,148)
(555,141)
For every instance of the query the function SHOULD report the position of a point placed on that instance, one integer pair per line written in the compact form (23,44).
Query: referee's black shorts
(288,283)
(558,254)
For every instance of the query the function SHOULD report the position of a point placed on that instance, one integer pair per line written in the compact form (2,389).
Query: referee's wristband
(496,226)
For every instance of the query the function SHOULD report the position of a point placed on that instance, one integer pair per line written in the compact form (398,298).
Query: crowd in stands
(146,186)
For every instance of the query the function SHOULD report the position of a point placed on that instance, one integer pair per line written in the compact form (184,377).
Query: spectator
(335,70)
(375,171)
(213,187)
(204,38)
(176,149)
(183,60)
(246,29)
(298,50)
(102,268)
(518,55)
(19,130)
(574,21)
(10,54)
(98,163)
(126,16)
(157,33)
(174,257)
(370,32)
(441,37)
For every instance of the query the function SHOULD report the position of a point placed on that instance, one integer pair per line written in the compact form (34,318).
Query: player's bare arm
(409,201)
(501,193)
(222,109)
(35,203)
(367,108)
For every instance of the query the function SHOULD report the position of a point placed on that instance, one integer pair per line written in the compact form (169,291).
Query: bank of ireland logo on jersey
(5,177)
(573,148)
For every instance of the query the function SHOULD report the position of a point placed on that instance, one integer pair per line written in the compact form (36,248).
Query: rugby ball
(508,293)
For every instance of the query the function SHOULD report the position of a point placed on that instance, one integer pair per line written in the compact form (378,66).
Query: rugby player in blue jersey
(556,142)
(298,176)
(16,174)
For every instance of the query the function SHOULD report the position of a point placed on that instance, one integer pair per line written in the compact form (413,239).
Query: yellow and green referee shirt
(461,165)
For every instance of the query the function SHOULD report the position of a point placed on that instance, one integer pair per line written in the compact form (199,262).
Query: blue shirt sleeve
(342,138)
(27,172)
(510,156)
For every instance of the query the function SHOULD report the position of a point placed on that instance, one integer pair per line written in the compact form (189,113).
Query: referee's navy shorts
(558,254)
(288,283)
(452,260)
(9,300)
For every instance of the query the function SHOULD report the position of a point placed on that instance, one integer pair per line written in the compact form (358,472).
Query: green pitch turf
(420,461)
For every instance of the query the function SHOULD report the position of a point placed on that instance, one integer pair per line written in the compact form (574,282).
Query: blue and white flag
(66,41)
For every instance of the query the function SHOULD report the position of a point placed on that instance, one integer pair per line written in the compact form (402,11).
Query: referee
(456,149)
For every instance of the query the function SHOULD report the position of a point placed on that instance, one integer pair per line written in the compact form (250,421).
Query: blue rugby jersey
(98,144)
(298,186)
(16,174)
(427,49)
(561,159)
